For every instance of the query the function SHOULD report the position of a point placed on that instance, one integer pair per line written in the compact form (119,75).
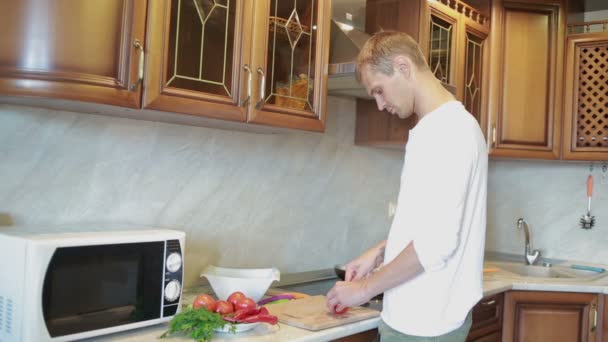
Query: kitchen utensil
(588,268)
(340,271)
(311,313)
(273,299)
(253,282)
(587,220)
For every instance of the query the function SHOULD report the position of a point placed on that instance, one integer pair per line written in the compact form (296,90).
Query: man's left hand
(347,294)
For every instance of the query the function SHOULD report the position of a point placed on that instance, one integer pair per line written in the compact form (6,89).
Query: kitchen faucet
(531,258)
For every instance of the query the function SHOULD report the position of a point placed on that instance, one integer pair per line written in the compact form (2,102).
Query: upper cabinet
(586,96)
(290,53)
(526,89)
(458,52)
(197,62)
(257,61)
(80,50)
(261,62)
(453,36)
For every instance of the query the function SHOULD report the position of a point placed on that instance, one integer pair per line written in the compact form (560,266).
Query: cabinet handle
(594,319)
(140,68)
(245,102)
(494,136)
(258,105)
(488,303)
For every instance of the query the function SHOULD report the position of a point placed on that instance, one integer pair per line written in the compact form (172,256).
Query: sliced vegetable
(340,312)
(270,319)
(242,313)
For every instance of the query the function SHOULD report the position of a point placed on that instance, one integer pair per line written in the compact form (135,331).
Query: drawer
(487,317)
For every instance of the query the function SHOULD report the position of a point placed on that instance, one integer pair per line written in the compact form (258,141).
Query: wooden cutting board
(311,314)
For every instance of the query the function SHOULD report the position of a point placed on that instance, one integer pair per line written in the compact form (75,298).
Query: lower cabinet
(487,319)
(365,336)
(551,316)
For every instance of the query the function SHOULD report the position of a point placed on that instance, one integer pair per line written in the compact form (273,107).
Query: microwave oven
(74,285)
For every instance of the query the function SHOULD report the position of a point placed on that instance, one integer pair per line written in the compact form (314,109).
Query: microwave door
(95,287)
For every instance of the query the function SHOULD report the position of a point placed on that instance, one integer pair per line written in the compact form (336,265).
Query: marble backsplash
(551,197)
(295,200)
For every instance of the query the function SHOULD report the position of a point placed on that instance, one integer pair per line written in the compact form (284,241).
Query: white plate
(240,327)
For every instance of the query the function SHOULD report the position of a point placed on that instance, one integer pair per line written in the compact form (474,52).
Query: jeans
(388,334)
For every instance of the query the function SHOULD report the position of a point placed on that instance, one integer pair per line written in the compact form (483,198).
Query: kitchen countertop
(494,283)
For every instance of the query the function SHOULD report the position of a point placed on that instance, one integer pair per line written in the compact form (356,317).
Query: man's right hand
(365,263)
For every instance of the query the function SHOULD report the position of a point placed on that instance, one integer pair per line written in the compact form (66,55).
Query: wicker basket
(299,88)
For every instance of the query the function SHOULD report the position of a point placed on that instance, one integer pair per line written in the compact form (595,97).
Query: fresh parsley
(199,324)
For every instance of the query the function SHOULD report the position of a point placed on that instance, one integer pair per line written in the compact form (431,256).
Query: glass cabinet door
(201,49)
(292,38)
(201,45)
(290,56)
(473,74)
(440,48)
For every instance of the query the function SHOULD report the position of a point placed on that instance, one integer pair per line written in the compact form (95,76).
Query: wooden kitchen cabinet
(79,50)
(551,316)
(487,319)
(262,62)
(453,37)
(586,97)
(526,87)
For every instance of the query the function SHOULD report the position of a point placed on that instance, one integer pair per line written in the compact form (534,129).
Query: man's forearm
(401,269)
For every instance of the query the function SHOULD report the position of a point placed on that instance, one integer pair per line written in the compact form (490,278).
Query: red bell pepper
(264,318)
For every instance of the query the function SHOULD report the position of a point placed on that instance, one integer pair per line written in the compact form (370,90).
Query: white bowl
(253,282)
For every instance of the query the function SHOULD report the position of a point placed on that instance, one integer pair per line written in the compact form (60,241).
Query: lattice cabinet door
(586,97)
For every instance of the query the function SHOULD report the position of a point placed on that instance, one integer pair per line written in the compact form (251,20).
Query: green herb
(199,324)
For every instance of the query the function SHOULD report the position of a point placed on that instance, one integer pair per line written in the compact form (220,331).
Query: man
(432,261)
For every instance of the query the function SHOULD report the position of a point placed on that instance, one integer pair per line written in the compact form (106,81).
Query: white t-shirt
(442,209)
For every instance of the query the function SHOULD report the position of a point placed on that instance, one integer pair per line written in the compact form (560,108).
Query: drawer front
(487,317)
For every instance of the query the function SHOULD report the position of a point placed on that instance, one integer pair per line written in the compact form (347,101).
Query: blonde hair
(378,52)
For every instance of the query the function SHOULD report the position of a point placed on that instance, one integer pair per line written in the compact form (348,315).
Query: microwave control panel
(174,270)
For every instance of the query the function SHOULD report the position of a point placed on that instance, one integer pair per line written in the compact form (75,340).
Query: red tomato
(245,303)
(223,307)
(235,297)
(204,301)
(340,312)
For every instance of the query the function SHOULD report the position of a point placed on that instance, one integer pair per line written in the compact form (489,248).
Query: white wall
(298,201)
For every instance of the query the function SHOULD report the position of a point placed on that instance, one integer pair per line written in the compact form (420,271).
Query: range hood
(344,46)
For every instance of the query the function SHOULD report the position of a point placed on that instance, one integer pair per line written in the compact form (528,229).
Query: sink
(550,272)
(533,271)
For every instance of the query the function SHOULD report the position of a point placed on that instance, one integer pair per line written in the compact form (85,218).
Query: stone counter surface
(494,283)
